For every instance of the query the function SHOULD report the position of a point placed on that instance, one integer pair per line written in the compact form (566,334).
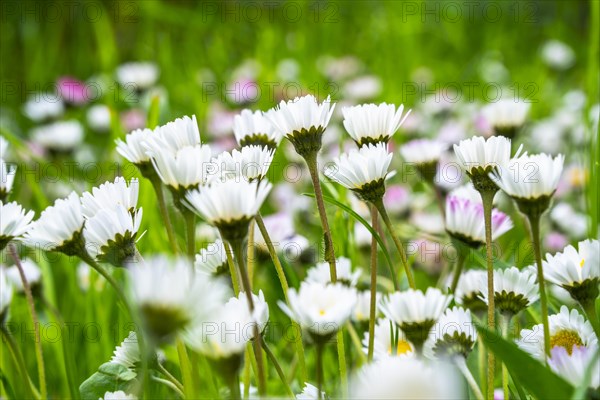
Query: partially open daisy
(453,335)
(177,134)
(134,151)
(127,353)
(424,154)
(109,195)
(372,123)
(212,260)
(363,171)
(506,116)
(576,270)
(514,290)
(567,329)
(250,163)
(415,312)
(465,222)
(229,205)
(469,290)
(14,222)
(390,341)
(253,128)
(168,293)
(59,228)
(303,121)
(345,275)
(574,365)
(320,309)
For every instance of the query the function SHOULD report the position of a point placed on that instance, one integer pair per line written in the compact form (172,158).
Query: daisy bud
(514,290)
(373,124)
(253,128)
(303,121)
(14,222)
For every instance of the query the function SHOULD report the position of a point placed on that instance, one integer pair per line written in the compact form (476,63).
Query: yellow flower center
(321,312)
(582,262)
(566,339)
(402,348)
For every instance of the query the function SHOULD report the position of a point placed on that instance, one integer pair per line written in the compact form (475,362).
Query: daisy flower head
(253,128)
(415,312)
(59,228)
(134,150)
(469,290)
(212,260)
(177,134)
(453,335)
(573,366)
(506,116)
(320,309)
(127,353)
(168,293)
(109,195)
(14,222)
(372,123)
(362,309)
(139,75)
(568,329)
(514,290)
(250,163)
(363,171)
(230,206)
(424,154)
(303,121)
(389,341)
(576,270)
(60,137)
(345,275)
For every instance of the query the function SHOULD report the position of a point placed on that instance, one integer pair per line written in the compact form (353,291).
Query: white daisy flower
(320,309)
(7,178)
(168,294)
(109,195)
(389,341)
(310,392)
(415,312)
(212,260)
(137,75)
(576,270)
(6,292)
(345,275)
(372,123)
(407,378)
(530,177)
(59,227)
(185,168)
(466,191)
(230,328)
(4,147)
(567,329)
(43,106)
(32,272)
(59,136)
(506,116)
(468,290)
(253,128)
(464,221)
(574,366)
(423,151)
(98,118)
(127,353)
(175,135)
(362,310)
(133,149)
(118,395)
(453,335)
(250,163)
(363,171)
(110,234)
(557,54)
(514,290)
(14,222)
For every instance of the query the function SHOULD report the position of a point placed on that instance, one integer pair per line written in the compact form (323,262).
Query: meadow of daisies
(235,200)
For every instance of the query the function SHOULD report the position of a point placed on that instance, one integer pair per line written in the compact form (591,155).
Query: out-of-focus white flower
(557,54)
(175,135)
(362,310)
(469,290)
(372,123)
(310,392)
(407,378)
(98,117)
(186,168)
(32,272)
(423,151)
(128,352)
(569,220)
(43,106)
(389,341)
(132,148)
(253,128)
(6,292)
(59,136)
(575,365)
(14,222)
(506,116)
(453,335)
(212,260)
(320,273)
(119,395)
(4,147)
(137,75)
(514,290)
(109,195)
(320,309)
(363,88)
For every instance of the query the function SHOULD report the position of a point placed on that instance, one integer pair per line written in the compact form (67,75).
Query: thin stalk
(190,233)
(39,354)
(247,367)
(373,302)
(234,387)
(481,361)
(164,212)
(232,268)
(460,262)
(590,310)
(319,370)
(388,223)
(285,287)
(505,326)
(170,385)
(19,362)
(487,198)
(311,162)
(250,252)
(341,348)
(534,222)
(462,366)
(169,376)
(186,369)
(239,257)
(278,368)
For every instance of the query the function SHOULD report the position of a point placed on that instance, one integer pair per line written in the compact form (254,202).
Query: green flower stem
(30,389)
(169,384)
(234,387)
(462,366)
(169,376)
(164,212)
(250,253)
(278,368)
(505,326)
(319,369)
(311,162)
(373,302)
(39,354)
(285,288)
(487,197)
(247,287)
(232,269)
(386,219)
(190,229)
(460,262)
(590,310)
(481,361)
(247,368)
(534,222)
(341,348)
